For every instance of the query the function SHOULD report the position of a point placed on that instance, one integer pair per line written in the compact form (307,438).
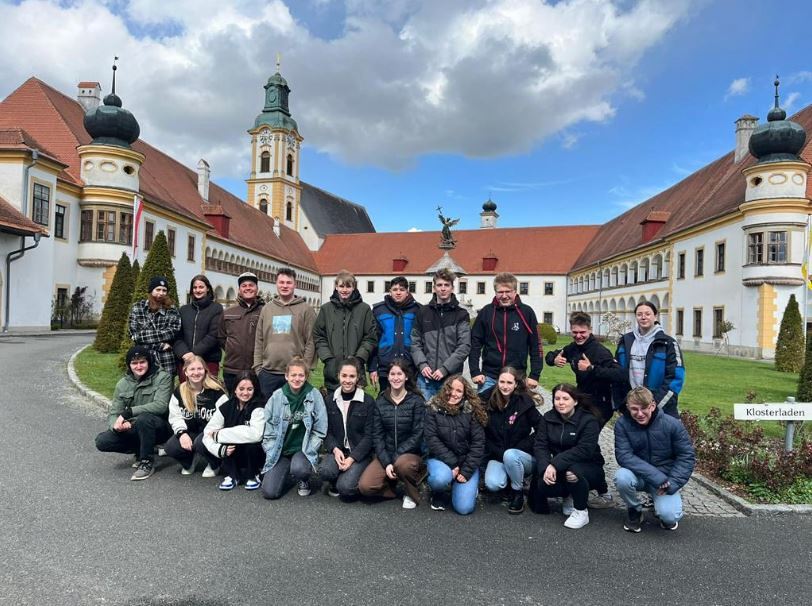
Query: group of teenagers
(267,427)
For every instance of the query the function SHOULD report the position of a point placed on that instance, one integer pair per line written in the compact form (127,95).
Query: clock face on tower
(272,95)
(265,137)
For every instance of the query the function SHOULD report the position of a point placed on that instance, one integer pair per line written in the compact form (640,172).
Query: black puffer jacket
(441,336)
(564,443)
(359,421)
(456,438)
(512,427)
(397,428)
(199,325)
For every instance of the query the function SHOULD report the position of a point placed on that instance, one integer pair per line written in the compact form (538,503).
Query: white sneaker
(161,451)
(567,506)
(408,502)
(304,488)
(208,472)
(578,519)
(186,472)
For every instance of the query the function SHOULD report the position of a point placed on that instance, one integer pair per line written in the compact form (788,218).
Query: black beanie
(138,351)
(157,281)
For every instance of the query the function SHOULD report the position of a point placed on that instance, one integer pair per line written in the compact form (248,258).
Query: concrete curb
(746,507)
(66,332)
(94,396)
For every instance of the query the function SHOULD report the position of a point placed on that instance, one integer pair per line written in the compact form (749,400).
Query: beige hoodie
(284,330)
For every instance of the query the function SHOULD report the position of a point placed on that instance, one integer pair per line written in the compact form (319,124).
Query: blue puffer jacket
(659,452)
(394,332)
(665,372)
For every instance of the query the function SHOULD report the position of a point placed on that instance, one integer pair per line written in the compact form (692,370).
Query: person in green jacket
(344,328)
(139,411)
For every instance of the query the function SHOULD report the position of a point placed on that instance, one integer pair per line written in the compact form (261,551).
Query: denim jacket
(277,419)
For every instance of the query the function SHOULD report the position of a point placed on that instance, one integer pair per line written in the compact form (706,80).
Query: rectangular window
(61,297)
(427,287)
(524,287)
(190,248)
(480,288)
(681,266)
(680,322)
(718,320)
(59,221)
(149,234)
(548,317)
(86,226)
(777,247)
(720,257)
(463,287)
(755,249)
(42,204)
(698,323)
(170,241)
(548,288)
(125,228)
(105,226)
(699,262)
(370,285)
(412,287)
(386,286)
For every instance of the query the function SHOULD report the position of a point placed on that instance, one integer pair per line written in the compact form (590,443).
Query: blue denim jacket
(277,419)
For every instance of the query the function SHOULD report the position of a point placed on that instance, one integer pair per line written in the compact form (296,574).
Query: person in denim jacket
(295,425)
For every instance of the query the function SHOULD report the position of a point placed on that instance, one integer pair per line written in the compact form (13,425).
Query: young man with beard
(441,336)
(284,330)
(238,330)
(344,328)
(505,333)
(394,316)
(155,323)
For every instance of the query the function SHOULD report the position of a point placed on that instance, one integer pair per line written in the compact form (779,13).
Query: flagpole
(138,207)
(807,242)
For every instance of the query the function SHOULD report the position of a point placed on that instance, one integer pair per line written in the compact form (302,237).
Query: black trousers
(183,456)
(243,464)
(147,431)
(589,476)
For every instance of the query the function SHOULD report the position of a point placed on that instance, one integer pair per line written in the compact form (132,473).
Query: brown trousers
(409,469)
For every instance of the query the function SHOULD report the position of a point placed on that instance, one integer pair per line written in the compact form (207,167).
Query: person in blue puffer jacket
(655,455)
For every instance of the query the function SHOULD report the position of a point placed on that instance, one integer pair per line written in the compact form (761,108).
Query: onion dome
(111,124)
(489,206)
(778,139)
(276,113)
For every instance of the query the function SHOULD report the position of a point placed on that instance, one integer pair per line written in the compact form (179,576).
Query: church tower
(273,186)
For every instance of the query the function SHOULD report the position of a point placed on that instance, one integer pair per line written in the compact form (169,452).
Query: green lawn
(710,381)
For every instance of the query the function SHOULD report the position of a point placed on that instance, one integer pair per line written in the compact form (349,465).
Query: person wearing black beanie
(155,323)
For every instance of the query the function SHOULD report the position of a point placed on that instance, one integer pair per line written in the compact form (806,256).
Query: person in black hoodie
(349,439)
(233,436)
(199,324)
(568,459)
(394,316)
(513,417)
(191,406)
(505,333)
(397,437)
(583,356)
(456,443)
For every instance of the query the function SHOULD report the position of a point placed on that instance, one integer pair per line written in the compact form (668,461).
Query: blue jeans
(516,464)
(463,494)
(668,507)
(428,387)
(486,385)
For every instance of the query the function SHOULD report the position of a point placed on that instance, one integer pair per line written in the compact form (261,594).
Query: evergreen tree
(136,271)
(789,348)
(116,308)
(157,263)
(805,379)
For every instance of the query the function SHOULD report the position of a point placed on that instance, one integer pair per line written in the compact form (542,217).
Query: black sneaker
(332,490)
(144,470)
(634,520)
(516,504)
(437,503)
(665,526)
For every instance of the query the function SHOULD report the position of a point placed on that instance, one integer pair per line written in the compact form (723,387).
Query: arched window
(263,205)
(289,211)
(290,165)
(265,162)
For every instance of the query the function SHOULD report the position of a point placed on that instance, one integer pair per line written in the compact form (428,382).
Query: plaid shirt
(153,329)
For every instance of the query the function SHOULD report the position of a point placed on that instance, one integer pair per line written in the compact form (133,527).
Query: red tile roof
(520,250)
(56,121)
(12,220)
(713,191)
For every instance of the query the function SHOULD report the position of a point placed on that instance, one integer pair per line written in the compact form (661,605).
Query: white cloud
(413,229)
(791,99)
(739,86)
(405,78)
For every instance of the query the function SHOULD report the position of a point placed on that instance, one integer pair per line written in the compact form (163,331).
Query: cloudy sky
(562,112)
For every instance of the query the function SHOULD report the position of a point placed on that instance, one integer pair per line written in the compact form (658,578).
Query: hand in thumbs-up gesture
(560,360)
(584,363)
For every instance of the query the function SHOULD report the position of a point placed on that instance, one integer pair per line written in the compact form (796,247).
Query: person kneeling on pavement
(655,455)
(138,412)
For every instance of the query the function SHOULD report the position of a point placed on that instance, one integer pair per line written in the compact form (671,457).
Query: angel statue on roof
(448,240)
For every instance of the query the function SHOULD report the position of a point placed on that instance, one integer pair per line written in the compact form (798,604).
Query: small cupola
(276,112)
(779,139)
(488,216)
(111,124)
(220,220)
